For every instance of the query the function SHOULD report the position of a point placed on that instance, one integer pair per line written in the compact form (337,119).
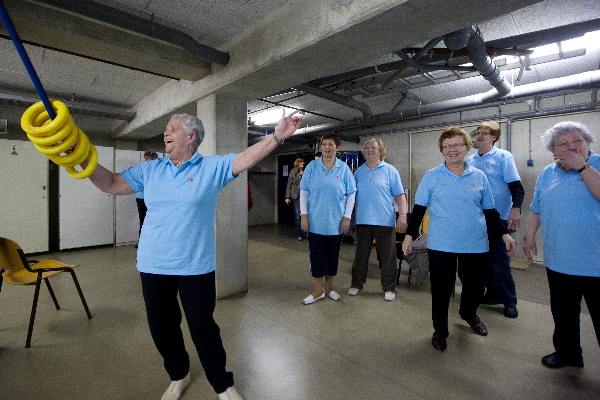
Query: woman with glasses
(499,167)
(326,202)
(460,205)
(378,188)
(566,203)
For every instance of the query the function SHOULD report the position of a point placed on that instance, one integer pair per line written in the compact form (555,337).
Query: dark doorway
(285,163)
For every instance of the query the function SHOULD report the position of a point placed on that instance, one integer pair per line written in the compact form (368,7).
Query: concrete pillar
(225,122)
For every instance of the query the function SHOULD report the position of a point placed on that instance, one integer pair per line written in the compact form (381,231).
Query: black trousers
(442,273)
(324,254)
(499,282)
(198,298)
(141,206)
(566,292)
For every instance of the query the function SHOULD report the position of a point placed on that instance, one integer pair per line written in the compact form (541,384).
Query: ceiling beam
(336,98)
(113,16)
(41,24)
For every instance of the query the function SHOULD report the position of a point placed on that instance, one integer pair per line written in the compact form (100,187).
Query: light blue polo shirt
(139,195)
(327,195)
(570,216)
(375,192)
(178,235)
(500,169)
(456,204)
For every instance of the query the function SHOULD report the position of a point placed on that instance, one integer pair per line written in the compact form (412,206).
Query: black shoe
(478,326)
(438,341)
(511,312)
(555,361)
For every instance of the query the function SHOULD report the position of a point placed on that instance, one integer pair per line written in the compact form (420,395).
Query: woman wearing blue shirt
(499,167)
(460,206)
(176,254)
(566,203)
(326,202)
(378,187)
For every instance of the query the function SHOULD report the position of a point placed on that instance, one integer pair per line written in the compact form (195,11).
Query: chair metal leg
(52,293)
(36,295)
(87,310)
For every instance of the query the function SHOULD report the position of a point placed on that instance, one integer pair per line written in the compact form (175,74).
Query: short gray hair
(559,129)
(191,124)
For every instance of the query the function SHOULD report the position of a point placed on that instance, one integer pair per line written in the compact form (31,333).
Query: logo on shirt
(190,180)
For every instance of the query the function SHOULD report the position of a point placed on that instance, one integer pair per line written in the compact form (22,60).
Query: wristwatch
(587,165)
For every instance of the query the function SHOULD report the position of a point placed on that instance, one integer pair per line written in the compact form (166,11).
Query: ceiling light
(270,116)
(589,41)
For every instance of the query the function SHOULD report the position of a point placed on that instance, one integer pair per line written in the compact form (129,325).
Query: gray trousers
(385,244)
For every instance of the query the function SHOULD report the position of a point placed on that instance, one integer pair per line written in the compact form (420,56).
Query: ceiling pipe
(336,98)
(83,109)
(115,17)
(585,80)
(470,39)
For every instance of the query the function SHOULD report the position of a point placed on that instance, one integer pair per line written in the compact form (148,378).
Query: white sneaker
(175,389)
(389,296)
(230,394)
(352,291)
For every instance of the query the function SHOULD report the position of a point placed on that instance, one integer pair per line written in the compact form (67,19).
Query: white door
(24,195)
(85,213)
(127,221)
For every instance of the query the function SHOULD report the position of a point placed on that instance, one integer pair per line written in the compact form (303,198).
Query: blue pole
(10,28)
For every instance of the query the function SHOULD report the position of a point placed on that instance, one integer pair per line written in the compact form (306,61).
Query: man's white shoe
(230,394)
(389,296)
(175,389)
(352,291)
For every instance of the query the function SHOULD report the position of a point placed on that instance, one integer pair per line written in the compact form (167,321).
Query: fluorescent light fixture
(270,116)
(589,41)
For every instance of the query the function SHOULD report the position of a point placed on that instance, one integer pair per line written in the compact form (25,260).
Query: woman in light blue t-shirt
(326,202)
(461,208)
(566,203)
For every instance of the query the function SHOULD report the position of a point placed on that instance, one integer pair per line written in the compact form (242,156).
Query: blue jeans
(297,228)
(499,283)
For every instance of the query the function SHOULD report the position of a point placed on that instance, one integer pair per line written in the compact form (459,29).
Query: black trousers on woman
(142,209)
(198,298)
(472,269)
(566,292)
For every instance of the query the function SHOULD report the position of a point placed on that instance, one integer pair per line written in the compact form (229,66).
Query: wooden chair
(18,270)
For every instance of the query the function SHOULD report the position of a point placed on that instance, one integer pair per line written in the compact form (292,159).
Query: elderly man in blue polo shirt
(499,167)
(177,245)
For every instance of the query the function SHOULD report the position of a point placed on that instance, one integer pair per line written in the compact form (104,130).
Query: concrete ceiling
(273,45)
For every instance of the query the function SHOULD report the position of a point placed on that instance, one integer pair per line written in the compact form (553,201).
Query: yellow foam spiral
(60,139)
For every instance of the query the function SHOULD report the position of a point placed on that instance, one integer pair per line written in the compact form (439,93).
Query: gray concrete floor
(359,348)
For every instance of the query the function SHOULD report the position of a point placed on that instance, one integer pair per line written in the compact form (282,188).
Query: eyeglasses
(453,146)
(481,133)
(372,148)
(565,144)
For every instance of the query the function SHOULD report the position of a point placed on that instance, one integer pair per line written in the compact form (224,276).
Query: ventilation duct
(470,39)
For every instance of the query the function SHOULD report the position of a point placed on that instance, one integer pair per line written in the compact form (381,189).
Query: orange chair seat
(24,277)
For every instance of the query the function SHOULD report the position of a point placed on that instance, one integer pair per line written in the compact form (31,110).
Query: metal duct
(470,38)
(585,80)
